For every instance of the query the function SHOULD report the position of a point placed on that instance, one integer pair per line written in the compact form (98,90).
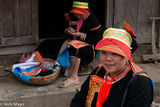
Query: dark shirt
(93,36)
(140,92)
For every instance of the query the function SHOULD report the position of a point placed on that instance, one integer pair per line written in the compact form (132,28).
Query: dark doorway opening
(98,9)
(51,16)
(51,19)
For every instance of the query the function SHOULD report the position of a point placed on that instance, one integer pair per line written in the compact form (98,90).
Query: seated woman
(82,40)
(50,47)
(117,81)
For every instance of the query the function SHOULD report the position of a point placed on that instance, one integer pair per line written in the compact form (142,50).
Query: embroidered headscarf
(119,41)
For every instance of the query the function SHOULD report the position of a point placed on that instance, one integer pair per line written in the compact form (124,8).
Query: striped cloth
(79,7)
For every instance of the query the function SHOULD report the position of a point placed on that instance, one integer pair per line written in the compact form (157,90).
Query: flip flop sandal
(68,83)
(64,79)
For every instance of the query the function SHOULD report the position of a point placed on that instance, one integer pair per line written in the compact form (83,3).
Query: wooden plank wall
(136,13)
(23,16)
(147,8)
(6,18)
(19,22)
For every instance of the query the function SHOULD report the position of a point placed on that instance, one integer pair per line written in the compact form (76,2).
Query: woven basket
(43,80)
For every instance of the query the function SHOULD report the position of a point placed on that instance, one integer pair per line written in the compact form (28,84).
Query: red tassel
(67,17)
(129,29)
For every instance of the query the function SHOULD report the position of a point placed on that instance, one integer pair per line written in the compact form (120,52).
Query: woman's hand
(77,34)
(70,31)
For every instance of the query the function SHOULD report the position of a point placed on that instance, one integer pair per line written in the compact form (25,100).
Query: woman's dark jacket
(140,92)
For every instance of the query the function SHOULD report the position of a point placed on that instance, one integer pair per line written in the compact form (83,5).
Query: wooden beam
(150,57)
(154,18)
(17,49)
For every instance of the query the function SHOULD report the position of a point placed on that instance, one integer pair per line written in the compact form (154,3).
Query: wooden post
(153,43)
(154,56)
(109,10)
(159,35)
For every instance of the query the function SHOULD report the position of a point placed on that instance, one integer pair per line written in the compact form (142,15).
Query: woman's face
(79,16)
(112,63)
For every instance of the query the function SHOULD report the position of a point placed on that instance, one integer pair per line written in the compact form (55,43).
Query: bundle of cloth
(34,66)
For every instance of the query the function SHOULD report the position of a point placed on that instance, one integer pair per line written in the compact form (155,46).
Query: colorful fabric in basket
(34,66)
(17,72)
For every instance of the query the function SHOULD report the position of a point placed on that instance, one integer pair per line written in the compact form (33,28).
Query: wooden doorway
(51,16)
(18,22)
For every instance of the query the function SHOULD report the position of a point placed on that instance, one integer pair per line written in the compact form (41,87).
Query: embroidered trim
(94,86)
(72,22)
(95,28)
(83,37)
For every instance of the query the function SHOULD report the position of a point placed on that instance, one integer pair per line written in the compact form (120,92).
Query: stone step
(13,92)
(17,94)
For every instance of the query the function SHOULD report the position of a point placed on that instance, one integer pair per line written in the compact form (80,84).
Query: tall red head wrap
(117,41)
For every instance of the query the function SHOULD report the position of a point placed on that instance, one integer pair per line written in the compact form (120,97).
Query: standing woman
(82,40)
(117,81)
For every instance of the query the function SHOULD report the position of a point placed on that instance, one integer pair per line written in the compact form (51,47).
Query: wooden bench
(154,56)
